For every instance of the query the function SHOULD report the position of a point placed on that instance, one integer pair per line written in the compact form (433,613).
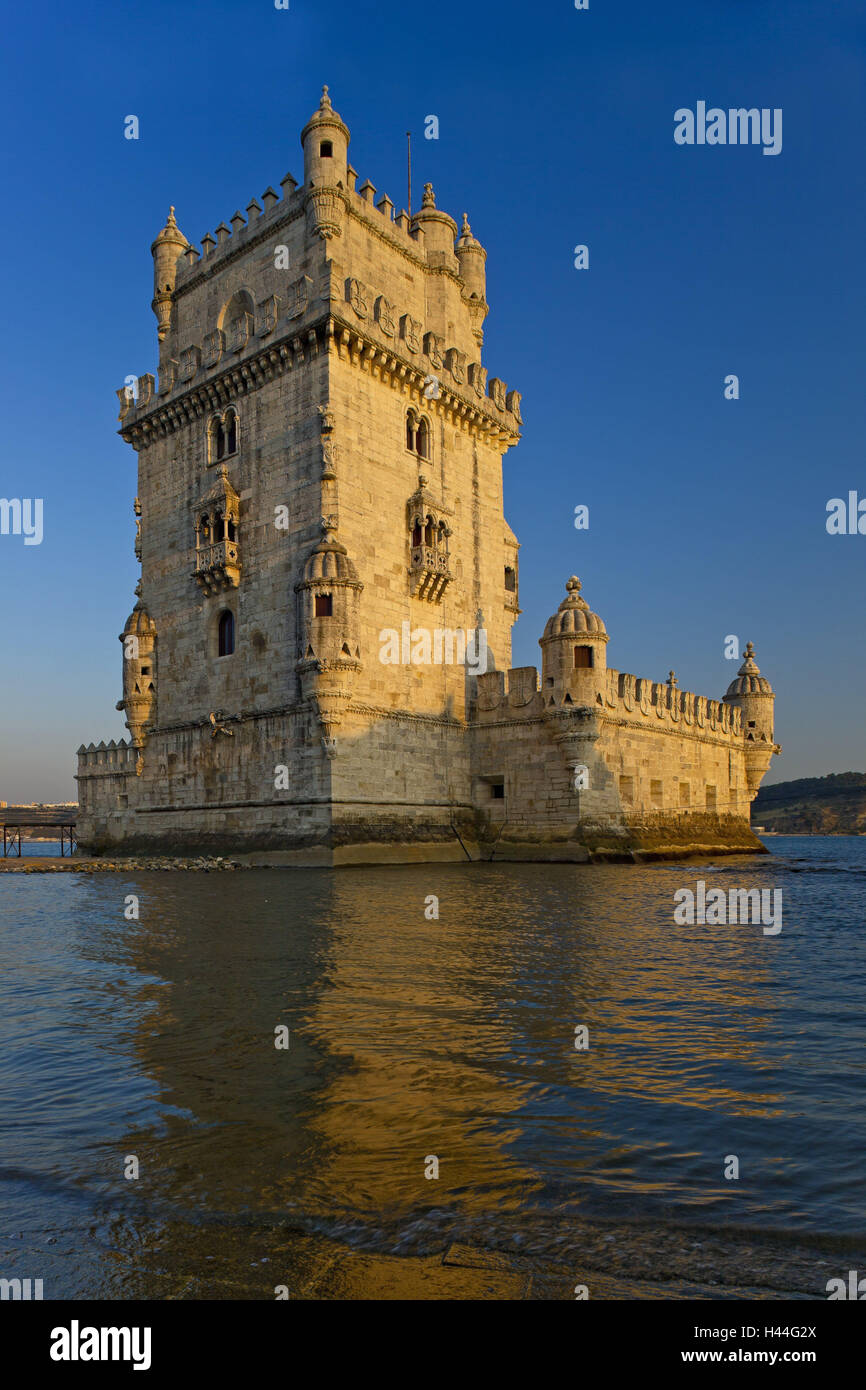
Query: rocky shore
(75,865)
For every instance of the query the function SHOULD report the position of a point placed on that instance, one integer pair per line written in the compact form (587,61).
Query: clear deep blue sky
(707,516)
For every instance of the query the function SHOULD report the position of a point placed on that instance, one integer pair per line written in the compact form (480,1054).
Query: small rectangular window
(497,789)
(685,794)
(324,606)
(656,793)
(626,790)
(582,658)
(711,798)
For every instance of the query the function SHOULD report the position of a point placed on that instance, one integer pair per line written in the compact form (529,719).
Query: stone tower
(329,583)
(319,463)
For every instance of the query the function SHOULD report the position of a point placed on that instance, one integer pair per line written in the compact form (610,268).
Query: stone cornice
(329,331)
(388,361)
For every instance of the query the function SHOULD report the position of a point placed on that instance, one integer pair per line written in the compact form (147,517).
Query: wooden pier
(15,819)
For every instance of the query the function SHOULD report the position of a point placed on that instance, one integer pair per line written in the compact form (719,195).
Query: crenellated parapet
(662,703)
(106,759)
(105,771)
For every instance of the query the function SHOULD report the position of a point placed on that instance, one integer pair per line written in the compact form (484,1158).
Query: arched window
(417,533)
(226,633)
(510,580)
(204,526)
(442,537)
(223,436)
(422,439)
(231,427)
(428,531)
(230,529)
(410,431)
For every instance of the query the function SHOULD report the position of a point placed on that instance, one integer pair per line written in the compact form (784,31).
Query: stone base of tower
(628,779)
(638,841)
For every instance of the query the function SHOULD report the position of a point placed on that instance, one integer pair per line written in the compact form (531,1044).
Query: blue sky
(707,516)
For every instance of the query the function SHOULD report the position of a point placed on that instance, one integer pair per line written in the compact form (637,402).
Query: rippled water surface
(412,1037)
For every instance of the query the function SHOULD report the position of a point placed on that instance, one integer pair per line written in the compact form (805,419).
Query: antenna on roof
(409,171)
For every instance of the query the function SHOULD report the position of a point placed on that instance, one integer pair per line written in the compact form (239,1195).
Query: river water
(412,1037)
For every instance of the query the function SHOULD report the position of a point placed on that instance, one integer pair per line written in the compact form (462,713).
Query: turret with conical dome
(166,251)
(574,661)
(473,273)
(329,650)
(439,232)
(325,139)
(139,673)
(754,695)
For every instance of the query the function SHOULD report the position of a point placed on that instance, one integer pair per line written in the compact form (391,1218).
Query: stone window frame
(411,424)
(214,628)
(215,424)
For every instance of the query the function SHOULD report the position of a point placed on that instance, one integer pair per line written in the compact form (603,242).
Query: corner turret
(754,695)
(139,673)
(169,246)
(325,139)
(439,231)
(574,661)
(472,258)
(329,650)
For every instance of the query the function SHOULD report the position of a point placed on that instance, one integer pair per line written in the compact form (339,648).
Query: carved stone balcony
(429,572)
(218,566)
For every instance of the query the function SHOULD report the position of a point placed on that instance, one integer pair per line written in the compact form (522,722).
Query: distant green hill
(833,805)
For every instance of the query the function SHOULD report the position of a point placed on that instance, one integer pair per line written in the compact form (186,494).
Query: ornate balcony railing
(429,571)
(218,566)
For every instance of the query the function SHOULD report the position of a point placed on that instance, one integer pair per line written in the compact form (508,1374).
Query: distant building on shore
(319,658)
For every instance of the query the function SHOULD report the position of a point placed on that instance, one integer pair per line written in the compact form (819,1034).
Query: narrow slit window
(226,634)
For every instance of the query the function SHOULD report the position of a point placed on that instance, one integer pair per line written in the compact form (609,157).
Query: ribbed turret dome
(749,680)
(139,623)
(574,616)
(330,562)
